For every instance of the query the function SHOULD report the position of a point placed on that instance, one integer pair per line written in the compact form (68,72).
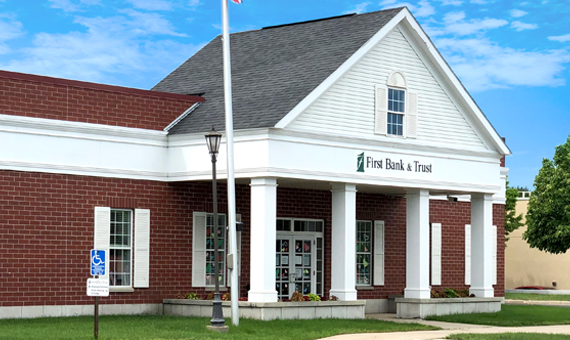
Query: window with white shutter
(396,108)
(203,261)
(127,264)
(436,254)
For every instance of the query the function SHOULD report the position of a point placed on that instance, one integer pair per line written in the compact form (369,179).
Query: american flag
(238,1)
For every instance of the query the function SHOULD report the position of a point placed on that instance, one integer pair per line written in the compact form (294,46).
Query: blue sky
(512,56)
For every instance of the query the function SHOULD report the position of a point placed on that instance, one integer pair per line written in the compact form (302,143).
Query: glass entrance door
(295,265)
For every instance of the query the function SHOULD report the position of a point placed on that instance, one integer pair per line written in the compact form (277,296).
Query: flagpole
(230,166)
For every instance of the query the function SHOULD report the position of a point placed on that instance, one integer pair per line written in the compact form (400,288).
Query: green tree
(512,220)
(548,216)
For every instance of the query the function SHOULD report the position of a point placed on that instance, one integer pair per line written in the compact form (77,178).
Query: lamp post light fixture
(217,323)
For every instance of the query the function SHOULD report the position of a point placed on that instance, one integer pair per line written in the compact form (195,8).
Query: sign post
(97,287)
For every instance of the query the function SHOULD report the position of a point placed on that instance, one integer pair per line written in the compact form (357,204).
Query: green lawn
(169,327)
(537,297)
(509,336)
(514,315)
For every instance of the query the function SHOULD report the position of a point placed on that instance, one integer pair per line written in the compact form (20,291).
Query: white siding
(347,108)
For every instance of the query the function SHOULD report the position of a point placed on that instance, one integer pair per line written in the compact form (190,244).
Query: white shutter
(102,235)
(412,114)
(436,254)
(494,254)
(381,110)
(228,249)
(199,250)
(378,253)
(142,248)
(467,254)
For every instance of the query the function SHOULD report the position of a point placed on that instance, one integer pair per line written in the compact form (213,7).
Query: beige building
(525,266)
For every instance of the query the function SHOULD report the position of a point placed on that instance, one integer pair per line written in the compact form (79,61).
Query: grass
(513,316)
(536,297)
(170,327)
(509,336)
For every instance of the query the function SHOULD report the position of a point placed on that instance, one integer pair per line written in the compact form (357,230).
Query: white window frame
(365,251)
(113,263)
(396,81)
(398,113)
(221,251)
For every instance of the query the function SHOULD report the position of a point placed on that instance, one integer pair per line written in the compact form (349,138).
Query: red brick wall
(46,232)
(61,99)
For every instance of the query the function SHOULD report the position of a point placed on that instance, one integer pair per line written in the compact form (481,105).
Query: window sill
(121,289)
(364,288)
(212,289)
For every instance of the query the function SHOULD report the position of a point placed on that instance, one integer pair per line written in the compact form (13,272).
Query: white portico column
(481,245)
(263,238)
(343,238)
(417,244)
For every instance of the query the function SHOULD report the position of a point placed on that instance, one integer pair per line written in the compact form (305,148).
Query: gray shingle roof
(273,69)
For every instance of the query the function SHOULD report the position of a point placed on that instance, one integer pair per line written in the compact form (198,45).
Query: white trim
(468,254)
(68,127)
(182,116)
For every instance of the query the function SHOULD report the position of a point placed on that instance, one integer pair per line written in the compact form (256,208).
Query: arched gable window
(396,108)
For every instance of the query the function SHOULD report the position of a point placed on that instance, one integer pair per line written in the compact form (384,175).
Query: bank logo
(360,163)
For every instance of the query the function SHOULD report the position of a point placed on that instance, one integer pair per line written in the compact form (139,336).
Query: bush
(192,296)
(297,297)
(450,293)
(333,298)
(314,297)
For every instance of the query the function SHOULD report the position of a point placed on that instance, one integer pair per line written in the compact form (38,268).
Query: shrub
(314,297)
(227,297)
(450,293)
(333,298)
(297,297)
(192,296)
(210,296)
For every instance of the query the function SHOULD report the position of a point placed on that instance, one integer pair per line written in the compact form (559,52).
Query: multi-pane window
(396,110)
(363,253)
(210,249)
(120,248)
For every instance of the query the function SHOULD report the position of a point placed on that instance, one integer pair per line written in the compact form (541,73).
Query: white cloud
(521,26)
(10,28)
(124,49)
(517,13)
(65,5)
(70,6)
(451,2)
(424,8)
(482,64)
(151,5)
(193,3)
(359,8)
(560,38)
(451,17)
(474,26)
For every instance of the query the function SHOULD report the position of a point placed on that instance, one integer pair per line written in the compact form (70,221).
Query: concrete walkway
(448,328)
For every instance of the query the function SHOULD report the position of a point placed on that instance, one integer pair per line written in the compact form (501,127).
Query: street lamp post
(217,323)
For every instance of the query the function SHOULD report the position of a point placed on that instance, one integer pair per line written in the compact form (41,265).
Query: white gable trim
(457,90)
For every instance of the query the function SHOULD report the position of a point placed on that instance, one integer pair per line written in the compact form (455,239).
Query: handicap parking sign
(97,262)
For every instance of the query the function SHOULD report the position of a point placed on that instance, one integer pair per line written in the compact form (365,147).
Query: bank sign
(365,163)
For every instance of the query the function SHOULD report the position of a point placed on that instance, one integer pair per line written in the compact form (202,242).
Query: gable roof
(273,69)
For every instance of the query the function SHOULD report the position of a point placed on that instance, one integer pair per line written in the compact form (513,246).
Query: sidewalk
(448,328)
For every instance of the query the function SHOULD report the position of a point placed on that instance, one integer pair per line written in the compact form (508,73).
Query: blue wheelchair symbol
(97,262)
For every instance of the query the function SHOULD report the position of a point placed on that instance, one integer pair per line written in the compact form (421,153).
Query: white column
(263,238)
(417,244)
(343,238)
(481,245)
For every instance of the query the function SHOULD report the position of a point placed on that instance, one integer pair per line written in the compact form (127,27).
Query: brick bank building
(363,169)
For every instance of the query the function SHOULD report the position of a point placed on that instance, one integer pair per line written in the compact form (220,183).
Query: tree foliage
(548,216)
(512,220)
